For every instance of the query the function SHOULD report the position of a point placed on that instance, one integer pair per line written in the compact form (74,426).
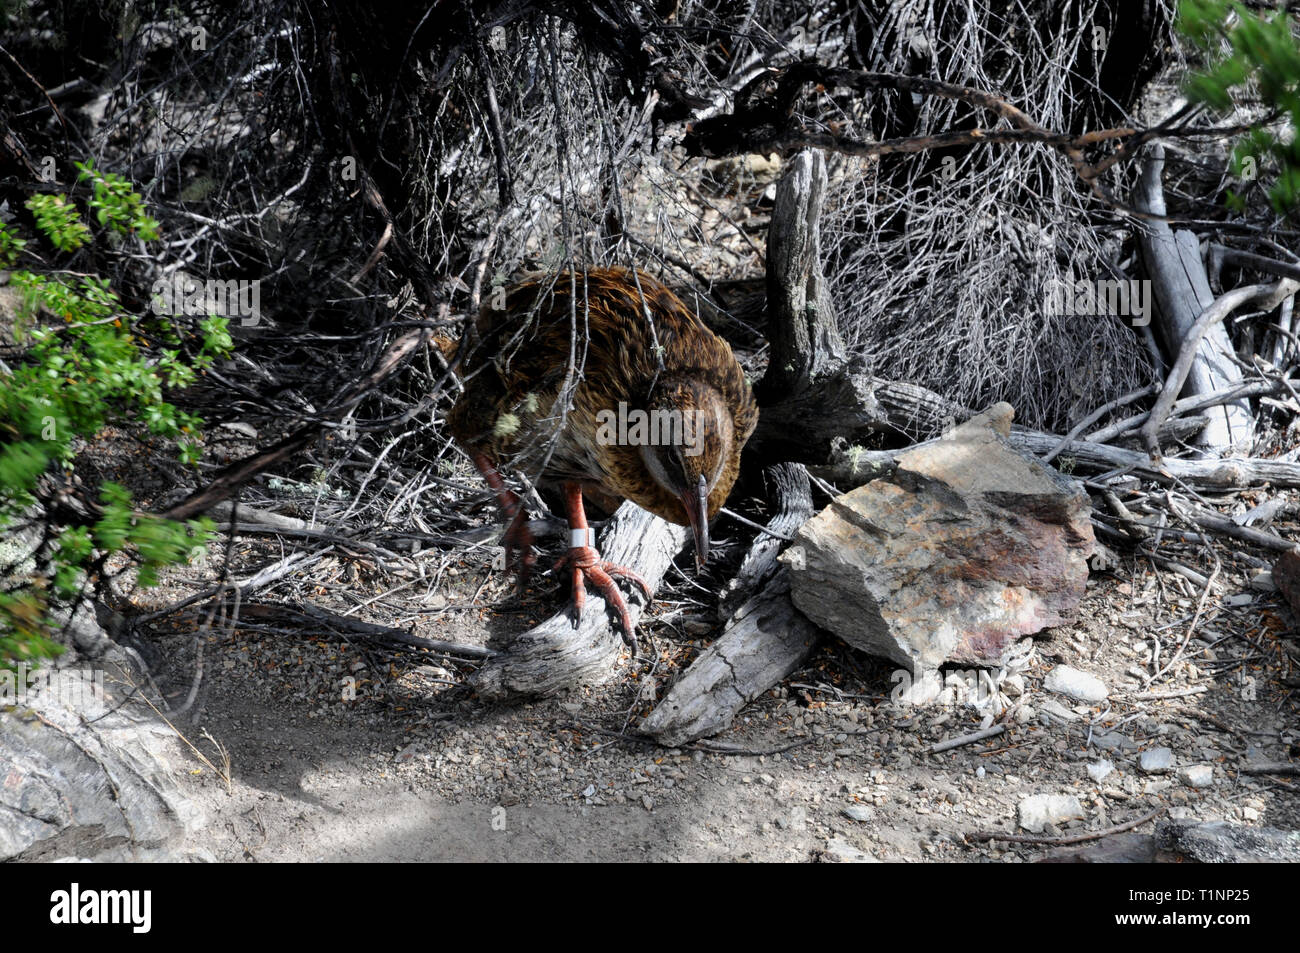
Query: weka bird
(626,349)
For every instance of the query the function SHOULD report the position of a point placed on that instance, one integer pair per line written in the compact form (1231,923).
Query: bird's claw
(585,565)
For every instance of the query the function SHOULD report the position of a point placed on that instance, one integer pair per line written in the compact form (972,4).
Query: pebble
(1197,775)
(1070,681)
(1039,810)
(859,812)
(1156,760)
(1098,770)
(845,853)
(1053,709)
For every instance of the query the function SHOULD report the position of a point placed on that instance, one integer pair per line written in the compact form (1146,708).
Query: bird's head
(694,441)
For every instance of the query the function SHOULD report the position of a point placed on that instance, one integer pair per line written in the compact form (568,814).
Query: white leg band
(579,538)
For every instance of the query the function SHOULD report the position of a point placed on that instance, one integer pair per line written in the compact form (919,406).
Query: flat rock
(83,775)
(1156,760)
(841,851)
(1222,842)
(1116,849)
(1039,810)
(1197,775)
(1076,684)
(967,546)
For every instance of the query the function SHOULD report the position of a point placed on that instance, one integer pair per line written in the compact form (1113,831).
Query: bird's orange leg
(586,566)
(518,538)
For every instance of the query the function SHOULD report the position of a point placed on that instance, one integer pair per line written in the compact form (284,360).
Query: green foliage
(88,363)
(58,219)
(117,205)
(11,246)
(1265,56)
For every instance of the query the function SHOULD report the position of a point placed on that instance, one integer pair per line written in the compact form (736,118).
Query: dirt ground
(824,767)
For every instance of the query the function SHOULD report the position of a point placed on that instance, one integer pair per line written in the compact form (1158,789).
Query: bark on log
(806,343)
(792,498)
(1182,292)
(554,655)
(768,640)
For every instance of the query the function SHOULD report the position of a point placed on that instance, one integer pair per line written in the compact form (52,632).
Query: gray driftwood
(791,495)
(806,343)
(555,655)
(1182,293)
(1264,297)
(767,640)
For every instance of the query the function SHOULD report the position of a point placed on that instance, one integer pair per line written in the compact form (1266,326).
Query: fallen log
(792,496)
(556,655)
(1181,290)
(767,640)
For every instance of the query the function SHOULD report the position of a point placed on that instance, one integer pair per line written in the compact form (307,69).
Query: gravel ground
(417,768)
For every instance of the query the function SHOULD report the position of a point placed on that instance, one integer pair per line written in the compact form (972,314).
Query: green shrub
(86,363)
(1266,55)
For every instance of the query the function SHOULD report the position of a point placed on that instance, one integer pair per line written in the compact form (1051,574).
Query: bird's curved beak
(696,501)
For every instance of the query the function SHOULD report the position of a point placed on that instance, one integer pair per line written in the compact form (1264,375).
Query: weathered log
(1182,293)
(1208,474)
(556,655)
(851,465)
(792,498)
(806,343)
(768,639)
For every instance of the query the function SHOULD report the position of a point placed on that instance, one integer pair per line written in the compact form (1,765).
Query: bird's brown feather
(611,326)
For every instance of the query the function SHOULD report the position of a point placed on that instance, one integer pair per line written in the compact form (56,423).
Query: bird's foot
(585,564)
(518,542)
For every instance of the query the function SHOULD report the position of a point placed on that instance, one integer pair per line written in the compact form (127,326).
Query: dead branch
(1266,297)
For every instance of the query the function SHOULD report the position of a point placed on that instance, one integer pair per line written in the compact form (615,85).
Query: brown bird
(606,384)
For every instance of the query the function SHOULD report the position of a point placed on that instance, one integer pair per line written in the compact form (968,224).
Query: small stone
(589,790)
(843,852)
(647,802)
(1112,741)
(1197,775)
(1039,810)
(1099,770)
(1055,711)
(1156,760)
(1070,681)
(859,812)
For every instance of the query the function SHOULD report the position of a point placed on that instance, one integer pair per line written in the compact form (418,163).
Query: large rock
(83,776)
(965,547)
(1222,842)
